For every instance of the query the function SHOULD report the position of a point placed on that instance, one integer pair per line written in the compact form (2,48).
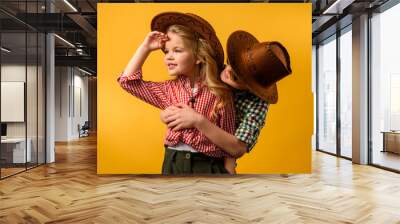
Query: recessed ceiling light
(5,50)
(337,7)
(84,71)
(64,40)
(70,5)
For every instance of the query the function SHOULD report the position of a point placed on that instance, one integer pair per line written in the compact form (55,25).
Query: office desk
(391,141)
(15,148)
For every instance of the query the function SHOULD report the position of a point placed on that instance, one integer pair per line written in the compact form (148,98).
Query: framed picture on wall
(12,101)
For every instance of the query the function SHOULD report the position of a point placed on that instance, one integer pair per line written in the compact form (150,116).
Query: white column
(50,92)
(360,90)
(50,110)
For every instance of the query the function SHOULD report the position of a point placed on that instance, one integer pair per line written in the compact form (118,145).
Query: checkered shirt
(171,92)
(250,117)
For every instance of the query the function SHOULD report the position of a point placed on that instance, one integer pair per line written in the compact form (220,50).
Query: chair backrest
(86,125)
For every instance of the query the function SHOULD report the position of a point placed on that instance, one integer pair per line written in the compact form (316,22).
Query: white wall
(61,103)
(71,94)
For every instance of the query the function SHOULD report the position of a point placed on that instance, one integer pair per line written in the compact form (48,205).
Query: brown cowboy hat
(258,65)
(162,21)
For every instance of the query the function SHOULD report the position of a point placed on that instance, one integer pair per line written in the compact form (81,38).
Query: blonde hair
(208,68)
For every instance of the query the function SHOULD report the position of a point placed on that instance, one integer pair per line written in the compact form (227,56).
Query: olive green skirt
(183,162)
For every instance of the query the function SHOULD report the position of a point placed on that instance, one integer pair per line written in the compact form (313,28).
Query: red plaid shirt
(171,92)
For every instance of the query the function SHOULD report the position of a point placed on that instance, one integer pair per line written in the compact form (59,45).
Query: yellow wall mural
(130,132)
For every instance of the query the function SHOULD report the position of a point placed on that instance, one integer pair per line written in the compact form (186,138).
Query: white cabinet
(17,147)
(391,142)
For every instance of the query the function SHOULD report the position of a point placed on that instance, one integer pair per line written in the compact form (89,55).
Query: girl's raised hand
(155,40)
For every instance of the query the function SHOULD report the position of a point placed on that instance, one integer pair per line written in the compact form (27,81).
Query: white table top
(13,140)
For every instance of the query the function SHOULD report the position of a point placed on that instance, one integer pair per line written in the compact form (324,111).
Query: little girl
(194,56)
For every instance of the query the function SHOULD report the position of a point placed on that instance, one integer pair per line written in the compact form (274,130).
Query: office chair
(84,130)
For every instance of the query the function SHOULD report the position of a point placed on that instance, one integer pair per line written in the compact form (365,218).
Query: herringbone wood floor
(70,191)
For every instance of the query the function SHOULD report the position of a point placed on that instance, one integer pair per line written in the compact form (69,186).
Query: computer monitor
(3,129)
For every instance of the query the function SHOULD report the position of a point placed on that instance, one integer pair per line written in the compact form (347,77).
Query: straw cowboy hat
(258,65)
(162,21)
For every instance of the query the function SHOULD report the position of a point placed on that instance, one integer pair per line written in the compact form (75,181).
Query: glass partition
(385,89)
(346,93)
(22,88)
(327,95)
(14,154)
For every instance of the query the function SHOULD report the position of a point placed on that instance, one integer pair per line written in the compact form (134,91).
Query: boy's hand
(154,40)
(165,114)
(230,165)
(180,116)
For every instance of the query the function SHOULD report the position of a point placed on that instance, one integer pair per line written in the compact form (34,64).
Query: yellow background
(130,133)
